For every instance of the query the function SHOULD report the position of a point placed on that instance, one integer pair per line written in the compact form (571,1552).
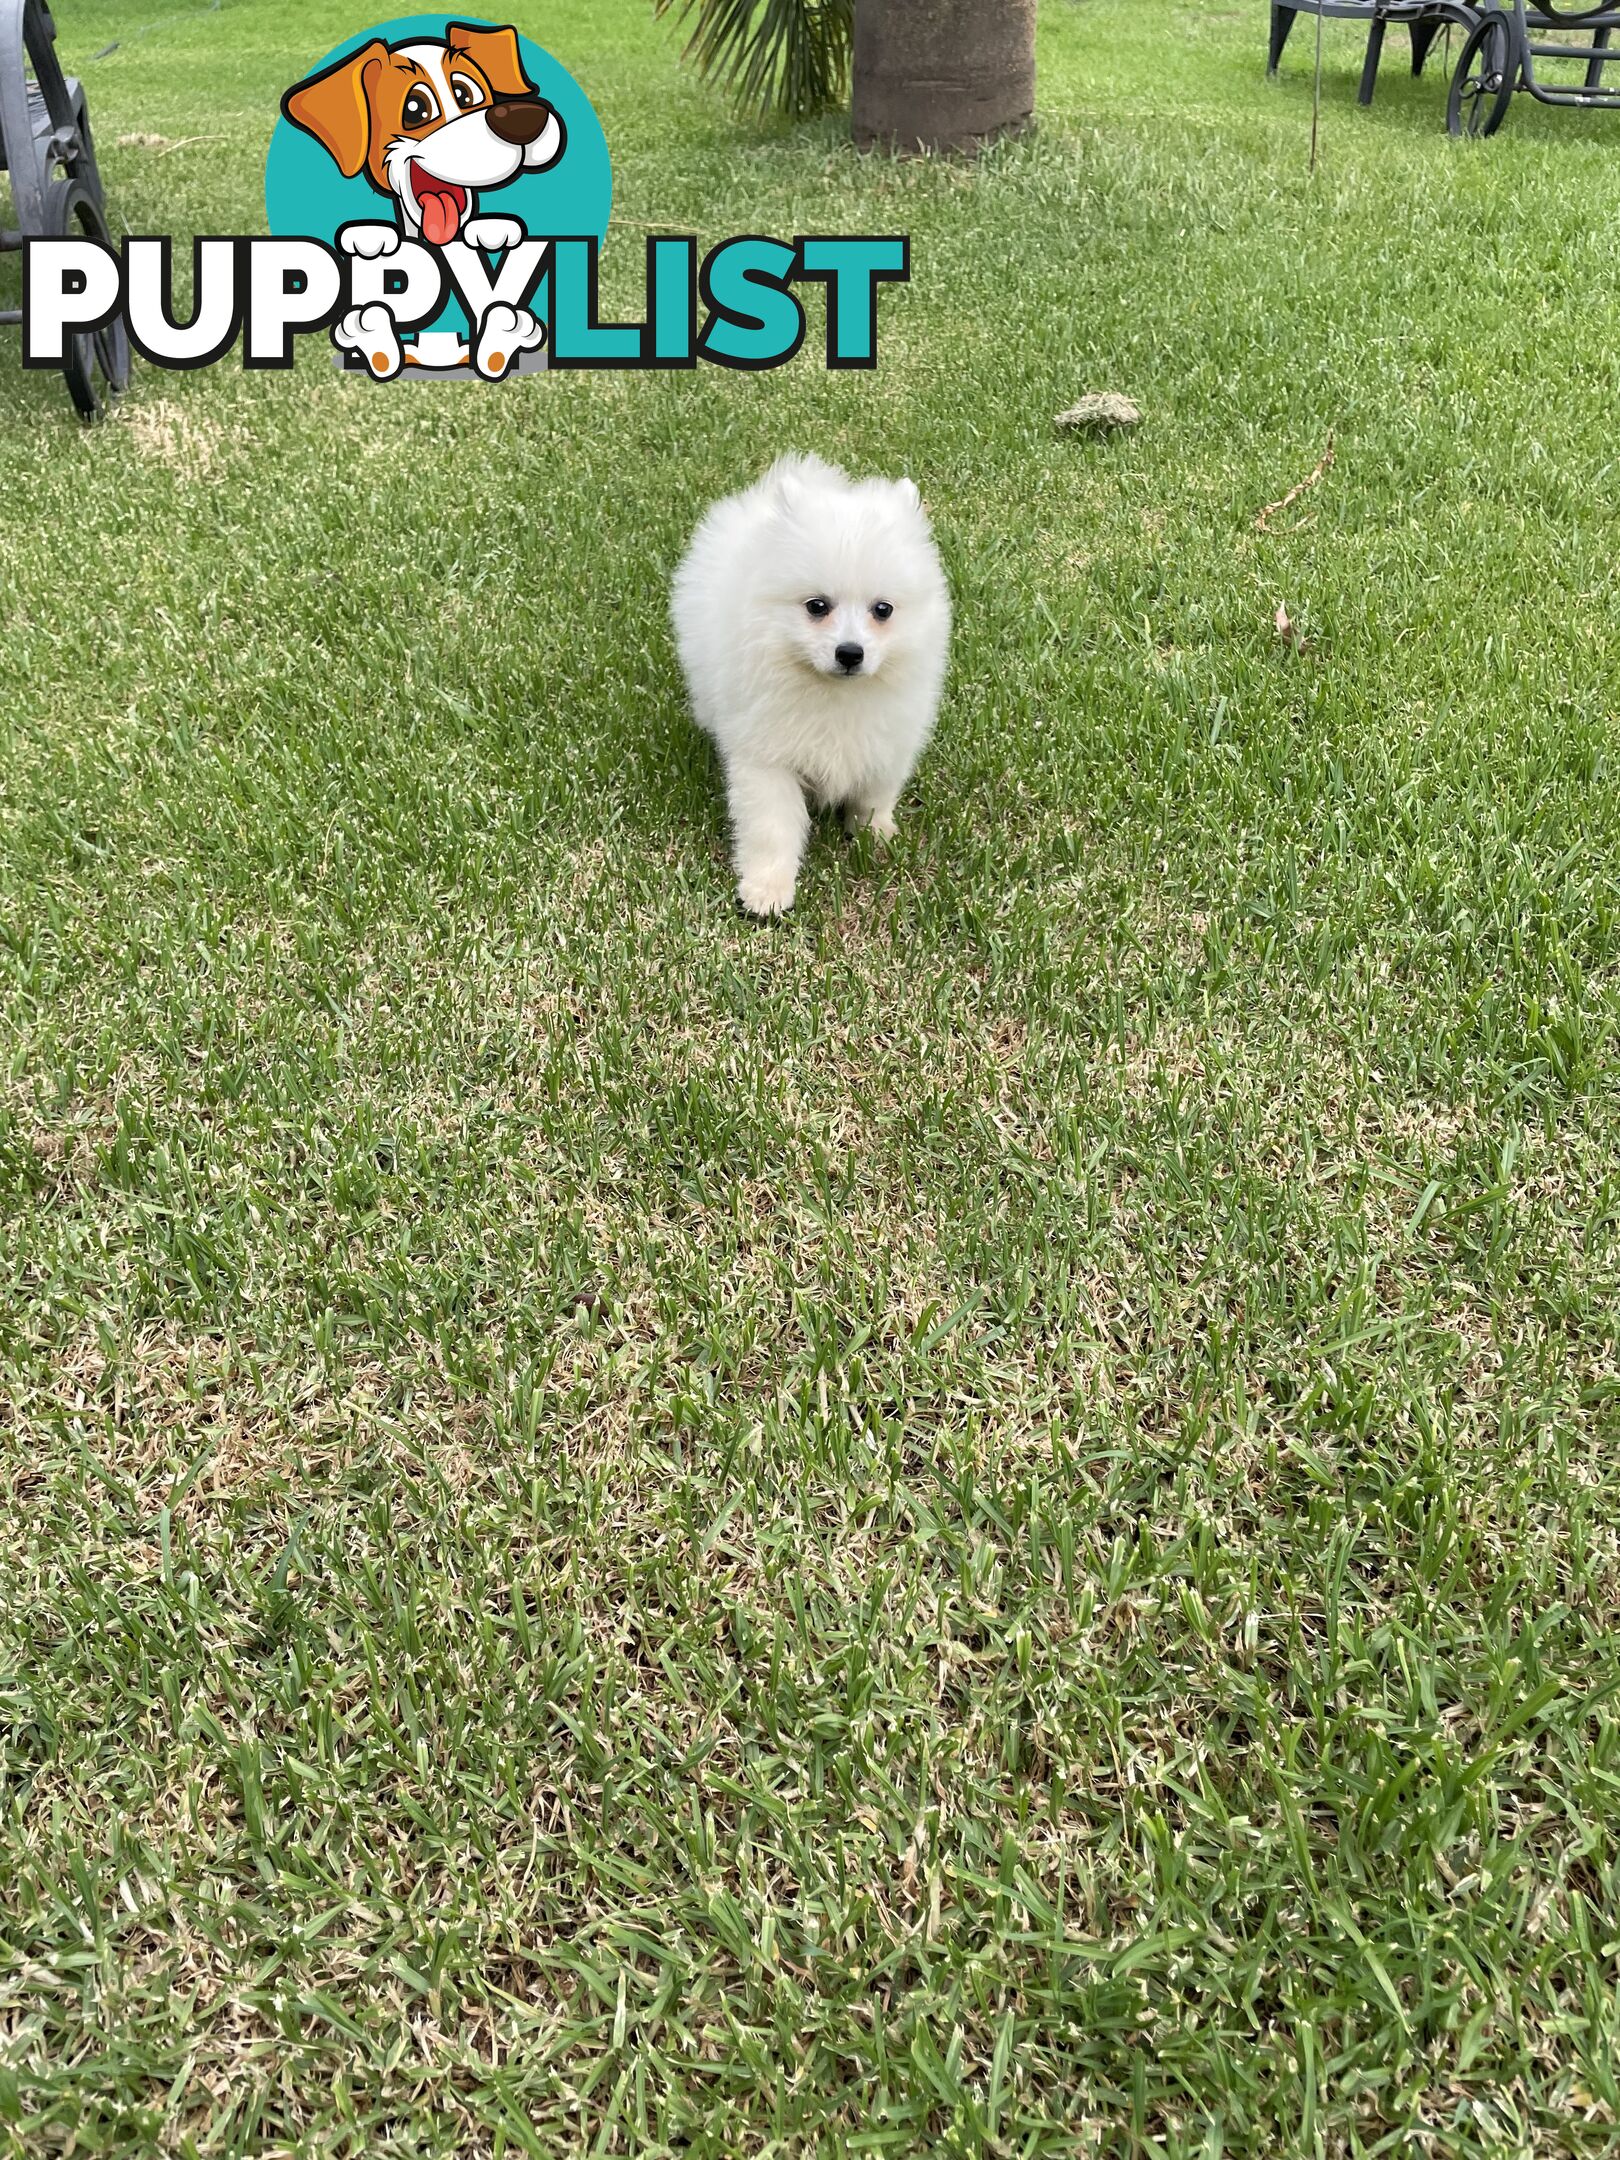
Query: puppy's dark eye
(882,609)
(818,608)
(420,108)
(466,91)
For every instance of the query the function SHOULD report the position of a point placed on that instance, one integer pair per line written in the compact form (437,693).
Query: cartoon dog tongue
(440,205)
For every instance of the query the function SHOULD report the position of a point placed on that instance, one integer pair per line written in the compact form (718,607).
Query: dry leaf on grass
(1300,487)
(1289,631)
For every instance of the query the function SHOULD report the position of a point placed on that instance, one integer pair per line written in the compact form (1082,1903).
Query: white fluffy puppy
(813,621)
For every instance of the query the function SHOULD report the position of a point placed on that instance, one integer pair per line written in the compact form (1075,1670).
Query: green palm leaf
(786,56)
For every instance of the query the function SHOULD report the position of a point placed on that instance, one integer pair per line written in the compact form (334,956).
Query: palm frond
(786,56)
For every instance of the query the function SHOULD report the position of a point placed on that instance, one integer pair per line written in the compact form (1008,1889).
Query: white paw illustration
(493,234)
(369,331)
(766,892)
(369,240)
(504,332)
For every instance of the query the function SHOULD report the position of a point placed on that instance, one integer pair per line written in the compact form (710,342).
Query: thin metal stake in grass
(1316,90)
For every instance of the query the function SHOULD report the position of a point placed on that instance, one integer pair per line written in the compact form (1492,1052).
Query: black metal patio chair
(46,146)
(1500,53)
(1423,21)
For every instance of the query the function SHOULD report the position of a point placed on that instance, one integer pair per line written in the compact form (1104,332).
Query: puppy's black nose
(849,657)
(518,120)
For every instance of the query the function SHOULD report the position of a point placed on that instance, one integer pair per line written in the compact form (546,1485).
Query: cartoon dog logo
(431,123)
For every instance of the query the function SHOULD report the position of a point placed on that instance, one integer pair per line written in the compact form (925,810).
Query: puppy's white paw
(504,332)
(369,240)
(883,826)
(766,892)
(370,332)
(493,234)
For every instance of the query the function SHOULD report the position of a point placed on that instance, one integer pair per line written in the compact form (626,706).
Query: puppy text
(376,291)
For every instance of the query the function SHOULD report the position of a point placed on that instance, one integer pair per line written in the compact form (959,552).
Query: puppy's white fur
(763,671)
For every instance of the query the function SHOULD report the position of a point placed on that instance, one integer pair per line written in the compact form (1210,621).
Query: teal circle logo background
(306,195)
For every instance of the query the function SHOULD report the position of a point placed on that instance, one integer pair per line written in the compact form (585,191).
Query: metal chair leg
(1595,66)
(1282,21)
(1423,36)
(1369,67)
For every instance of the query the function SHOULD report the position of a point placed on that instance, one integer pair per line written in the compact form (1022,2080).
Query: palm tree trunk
(942,74)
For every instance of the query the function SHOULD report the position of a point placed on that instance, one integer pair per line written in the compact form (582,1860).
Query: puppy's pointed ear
(909,494)
(496,53)
(787,484)
(335,107)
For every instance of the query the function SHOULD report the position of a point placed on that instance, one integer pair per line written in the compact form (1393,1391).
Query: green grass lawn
(982,1522)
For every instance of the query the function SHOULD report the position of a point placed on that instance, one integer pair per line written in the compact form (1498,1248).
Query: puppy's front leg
(769,822)
(875,809)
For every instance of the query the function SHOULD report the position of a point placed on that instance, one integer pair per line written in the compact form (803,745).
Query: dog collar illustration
(432,122)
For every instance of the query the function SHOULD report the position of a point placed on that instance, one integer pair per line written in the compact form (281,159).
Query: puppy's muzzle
(519,120)
(849,658)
